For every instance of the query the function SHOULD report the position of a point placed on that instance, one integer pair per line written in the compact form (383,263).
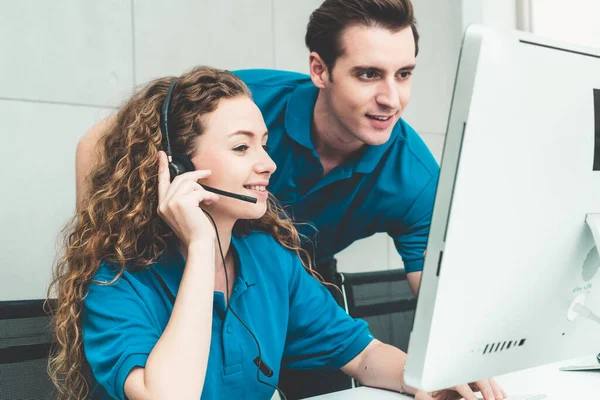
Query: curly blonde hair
(118,221)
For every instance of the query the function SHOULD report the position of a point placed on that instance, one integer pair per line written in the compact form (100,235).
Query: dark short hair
(327,23)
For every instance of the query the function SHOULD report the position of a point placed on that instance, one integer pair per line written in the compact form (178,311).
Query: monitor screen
(517,207)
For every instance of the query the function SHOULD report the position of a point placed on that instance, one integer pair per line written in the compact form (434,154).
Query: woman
(167,290)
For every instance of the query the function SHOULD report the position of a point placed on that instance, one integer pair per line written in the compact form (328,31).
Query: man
(347,164)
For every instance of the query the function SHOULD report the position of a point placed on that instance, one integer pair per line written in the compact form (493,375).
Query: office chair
(25,340)
(384,300)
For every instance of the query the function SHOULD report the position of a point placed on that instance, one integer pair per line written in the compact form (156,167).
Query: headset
(179,164)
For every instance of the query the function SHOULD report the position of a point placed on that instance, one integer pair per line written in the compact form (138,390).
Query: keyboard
(591,367)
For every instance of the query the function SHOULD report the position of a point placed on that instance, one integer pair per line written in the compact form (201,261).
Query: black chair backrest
(383,299)
(25,341)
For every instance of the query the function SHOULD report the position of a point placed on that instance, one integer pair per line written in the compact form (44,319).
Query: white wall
(67,64)
(497,13)
(578,23)
(64,65)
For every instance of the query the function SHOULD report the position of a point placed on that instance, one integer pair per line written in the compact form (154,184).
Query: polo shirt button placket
(232,352)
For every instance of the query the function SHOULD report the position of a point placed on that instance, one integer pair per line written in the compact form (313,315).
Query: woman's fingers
(500,393)
(193,176)
(179,197)
(439,395)
(184,184)
(203,196)
(178,189)
(187,194)
(422,395)
(466,392)
(486,390)
(163,175)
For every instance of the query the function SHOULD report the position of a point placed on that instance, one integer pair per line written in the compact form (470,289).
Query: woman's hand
(179,203)
(489,389)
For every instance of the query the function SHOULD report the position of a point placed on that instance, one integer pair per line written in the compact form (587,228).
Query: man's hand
(488,388)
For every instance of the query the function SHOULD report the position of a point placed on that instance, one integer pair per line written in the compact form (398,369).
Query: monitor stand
(593,222)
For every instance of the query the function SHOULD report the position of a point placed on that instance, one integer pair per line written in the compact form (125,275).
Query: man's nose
(389,95)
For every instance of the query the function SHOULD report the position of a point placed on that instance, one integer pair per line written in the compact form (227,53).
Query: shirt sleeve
(117,331)
(410,237)
(320,334)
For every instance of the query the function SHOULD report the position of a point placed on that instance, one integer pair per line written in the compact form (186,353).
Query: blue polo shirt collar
(299,114)
(246,269)
(373,154)
(170,267)
(298,125)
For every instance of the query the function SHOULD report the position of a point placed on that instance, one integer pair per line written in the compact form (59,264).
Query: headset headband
(164,120)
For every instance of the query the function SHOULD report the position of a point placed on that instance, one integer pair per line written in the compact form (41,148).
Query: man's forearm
(414,281)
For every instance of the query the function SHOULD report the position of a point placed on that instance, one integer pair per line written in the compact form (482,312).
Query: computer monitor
(509,248)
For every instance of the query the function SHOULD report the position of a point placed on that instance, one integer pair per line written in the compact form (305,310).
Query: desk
(547,379)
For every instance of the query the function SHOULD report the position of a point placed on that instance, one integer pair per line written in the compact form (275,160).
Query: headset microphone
(229,194)
(180,163)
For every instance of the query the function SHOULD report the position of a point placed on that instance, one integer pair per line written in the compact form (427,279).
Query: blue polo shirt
(292,315)
(387,188)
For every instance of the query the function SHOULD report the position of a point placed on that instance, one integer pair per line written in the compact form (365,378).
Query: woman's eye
(266,147)
(241,148)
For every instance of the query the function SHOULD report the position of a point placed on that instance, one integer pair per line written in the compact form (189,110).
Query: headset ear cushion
(184,162)
(173,170)
(180,165)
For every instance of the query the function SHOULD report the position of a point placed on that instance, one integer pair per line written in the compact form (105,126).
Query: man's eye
(368,74)
(405,74)
(241,148)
